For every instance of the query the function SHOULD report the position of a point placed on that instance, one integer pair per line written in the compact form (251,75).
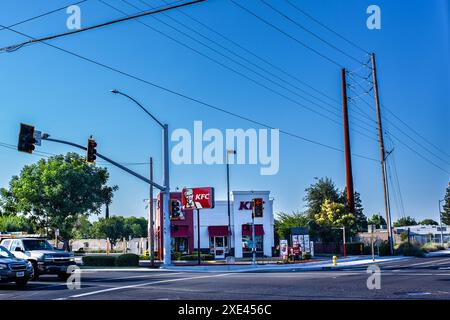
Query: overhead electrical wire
(242,74)
(286,34)
(182,95)
(104,24)
(44,14)
(310,32)
(326,27)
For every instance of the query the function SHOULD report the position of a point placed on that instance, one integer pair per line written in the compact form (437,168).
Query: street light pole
(228,200)
(167,259)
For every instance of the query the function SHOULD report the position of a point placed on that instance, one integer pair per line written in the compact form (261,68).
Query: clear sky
(69,98)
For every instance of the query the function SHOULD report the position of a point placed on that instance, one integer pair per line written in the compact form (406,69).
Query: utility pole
(347,151)
(151,236)
(382,155)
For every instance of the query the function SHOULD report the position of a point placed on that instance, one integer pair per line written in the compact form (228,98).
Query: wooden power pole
(347,151)
(382,155)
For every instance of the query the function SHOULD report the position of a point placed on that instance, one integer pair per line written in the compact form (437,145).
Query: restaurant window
(180,244)
(247,243)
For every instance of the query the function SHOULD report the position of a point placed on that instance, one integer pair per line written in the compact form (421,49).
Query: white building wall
(245,216)
(218,216)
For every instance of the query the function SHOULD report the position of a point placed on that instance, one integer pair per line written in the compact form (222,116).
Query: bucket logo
(251,146)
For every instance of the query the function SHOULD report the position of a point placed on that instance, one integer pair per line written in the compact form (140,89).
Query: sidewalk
(342,263)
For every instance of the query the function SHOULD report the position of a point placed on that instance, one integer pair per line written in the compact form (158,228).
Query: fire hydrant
(334,261)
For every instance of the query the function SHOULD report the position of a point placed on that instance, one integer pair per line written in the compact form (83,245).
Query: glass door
(219,247)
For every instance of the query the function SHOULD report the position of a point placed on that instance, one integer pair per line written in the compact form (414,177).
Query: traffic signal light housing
(258,207)
(175,208)
(26,138)
(91,152)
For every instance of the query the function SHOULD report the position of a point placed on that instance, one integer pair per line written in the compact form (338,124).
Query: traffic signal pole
(137,175)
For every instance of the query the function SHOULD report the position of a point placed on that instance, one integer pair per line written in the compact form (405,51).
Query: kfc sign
(197,198)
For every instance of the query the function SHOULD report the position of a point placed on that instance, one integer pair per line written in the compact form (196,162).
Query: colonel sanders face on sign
(189,197)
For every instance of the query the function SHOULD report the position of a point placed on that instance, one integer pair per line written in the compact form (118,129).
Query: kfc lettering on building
(197,198)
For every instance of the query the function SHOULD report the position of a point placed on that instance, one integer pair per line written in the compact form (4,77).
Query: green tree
(331,218)
(429,222)
(8,206)
(360,219)
(55,192)
(82,228)
(317,193)
(112,228)
(446,207)
(135,227)
(405,221)
(285,221)
(377,220)
(13,223)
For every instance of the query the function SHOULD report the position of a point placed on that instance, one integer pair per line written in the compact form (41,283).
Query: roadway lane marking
(124,278)
(140,285)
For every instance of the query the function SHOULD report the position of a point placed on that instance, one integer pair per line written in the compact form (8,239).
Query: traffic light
(91,151)
(175,209)
(258,207)
(26,138)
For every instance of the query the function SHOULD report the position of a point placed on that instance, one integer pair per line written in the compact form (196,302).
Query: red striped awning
(218,231)
(247,230)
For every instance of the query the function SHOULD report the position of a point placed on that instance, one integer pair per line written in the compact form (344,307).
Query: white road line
(422,263)
(132,277)
(140,285)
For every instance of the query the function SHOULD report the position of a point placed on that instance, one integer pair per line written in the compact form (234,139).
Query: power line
(104,24)
(253,54)
(242,74)
(43,14)
(287,34)
(326,27)
(403,132)
(309,31)
(184,96)
(260,58)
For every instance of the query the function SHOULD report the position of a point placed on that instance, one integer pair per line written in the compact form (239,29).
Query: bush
(124,260)
(306,256)
(409,249)
(193,257)
(127,260)
(431,247)
(99,261)
(176,256)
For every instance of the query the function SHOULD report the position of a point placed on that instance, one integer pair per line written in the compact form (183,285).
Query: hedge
(123,260)
(127,260)
(99,261)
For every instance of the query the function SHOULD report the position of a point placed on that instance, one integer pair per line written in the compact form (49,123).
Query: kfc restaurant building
(214,234)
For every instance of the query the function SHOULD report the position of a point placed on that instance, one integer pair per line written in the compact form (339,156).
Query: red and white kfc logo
(197,198)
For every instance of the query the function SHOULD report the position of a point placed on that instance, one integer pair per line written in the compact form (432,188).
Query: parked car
(44,258)
(13,269)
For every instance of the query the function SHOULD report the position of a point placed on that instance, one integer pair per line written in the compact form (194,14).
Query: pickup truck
(44,258)
(13,269)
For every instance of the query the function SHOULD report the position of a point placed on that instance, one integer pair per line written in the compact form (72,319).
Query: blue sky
(69,98)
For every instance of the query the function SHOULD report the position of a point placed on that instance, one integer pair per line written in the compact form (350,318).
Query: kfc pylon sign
(197,198)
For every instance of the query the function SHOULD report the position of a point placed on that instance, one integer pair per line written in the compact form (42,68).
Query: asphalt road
(417,278)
